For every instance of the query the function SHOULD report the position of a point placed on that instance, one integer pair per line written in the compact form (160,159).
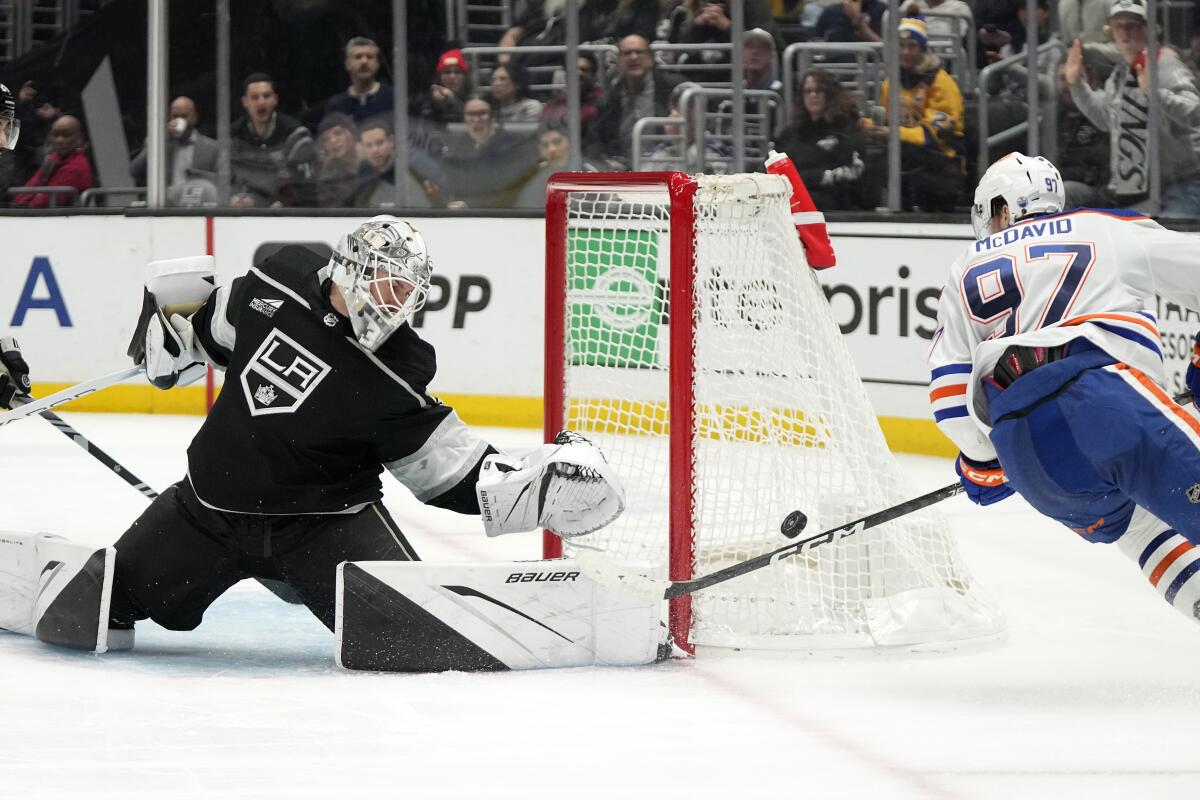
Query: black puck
(793,524)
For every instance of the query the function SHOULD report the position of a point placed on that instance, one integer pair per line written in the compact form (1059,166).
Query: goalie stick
(66,395)
(794,522)
(91,449)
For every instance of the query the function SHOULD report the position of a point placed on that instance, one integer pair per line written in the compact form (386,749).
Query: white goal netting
(782,422)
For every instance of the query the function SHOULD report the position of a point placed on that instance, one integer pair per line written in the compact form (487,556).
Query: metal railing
(707,125)
(480,72)
(70,192)
(864,74)
(1047,115)
(670,143)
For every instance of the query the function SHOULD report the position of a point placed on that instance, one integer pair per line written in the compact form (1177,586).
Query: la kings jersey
(308,418)
(1044,281)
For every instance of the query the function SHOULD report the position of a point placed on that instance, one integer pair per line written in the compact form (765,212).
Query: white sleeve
(1174,260)
(950,365)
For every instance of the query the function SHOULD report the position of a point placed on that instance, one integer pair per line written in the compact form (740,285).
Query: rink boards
(70,290)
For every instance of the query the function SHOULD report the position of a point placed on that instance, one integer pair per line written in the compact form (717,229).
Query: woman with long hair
(827,144)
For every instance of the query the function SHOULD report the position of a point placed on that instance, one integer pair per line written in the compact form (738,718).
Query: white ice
(1095,694)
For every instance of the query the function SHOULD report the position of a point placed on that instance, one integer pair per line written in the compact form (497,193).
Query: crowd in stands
(490,130)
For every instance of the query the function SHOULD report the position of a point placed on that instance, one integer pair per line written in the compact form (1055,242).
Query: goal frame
(681,189)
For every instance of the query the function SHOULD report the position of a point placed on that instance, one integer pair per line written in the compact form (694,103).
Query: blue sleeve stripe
(949,413)
(1155,543)
(1180,580)
(950,369)
(1149,316)
(1125,333)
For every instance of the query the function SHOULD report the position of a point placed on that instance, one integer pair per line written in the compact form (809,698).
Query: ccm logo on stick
(540,577)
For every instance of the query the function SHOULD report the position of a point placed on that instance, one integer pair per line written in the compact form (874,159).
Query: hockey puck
(793,524)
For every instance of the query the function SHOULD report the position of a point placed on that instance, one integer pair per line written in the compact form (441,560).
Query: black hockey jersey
(308,418)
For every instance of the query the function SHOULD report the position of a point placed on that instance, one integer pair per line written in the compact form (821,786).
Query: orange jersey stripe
(1170,559)
(1162,397)
(948,391)
(1135,319)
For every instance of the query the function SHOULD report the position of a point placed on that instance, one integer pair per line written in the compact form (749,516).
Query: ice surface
(1095,695)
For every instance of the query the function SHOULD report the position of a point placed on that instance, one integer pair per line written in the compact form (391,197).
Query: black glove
(14,372)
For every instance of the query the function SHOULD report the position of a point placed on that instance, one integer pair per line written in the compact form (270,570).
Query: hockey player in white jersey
(1047,371)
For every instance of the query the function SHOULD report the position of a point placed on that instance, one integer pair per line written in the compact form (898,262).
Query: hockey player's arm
(950,374)
(1173,259)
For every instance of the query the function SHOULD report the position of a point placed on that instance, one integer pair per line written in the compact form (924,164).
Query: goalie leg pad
(567,487)
(58,591)
(421,617)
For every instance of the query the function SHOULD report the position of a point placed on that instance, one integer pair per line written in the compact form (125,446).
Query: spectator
(636,91)
(510,93)
(272,153)
(931,125)
(554,150)
(1122,109)
(378,144)
(66,165)
(590,95)
(486,166)
(851,21)
(342,175)
(1083,151)
(366,96)
(998,25)
(1192,55)
(1017,44)
(451,87)
(36,111)
(760,67)
(951,19)
(681,152)
(699,22)
(191,156)
(827,145)
(599,20)
(1087,21)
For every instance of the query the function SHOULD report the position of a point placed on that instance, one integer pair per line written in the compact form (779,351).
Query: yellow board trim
(920,436)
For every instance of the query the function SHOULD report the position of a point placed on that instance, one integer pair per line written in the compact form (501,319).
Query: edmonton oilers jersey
(1086,273)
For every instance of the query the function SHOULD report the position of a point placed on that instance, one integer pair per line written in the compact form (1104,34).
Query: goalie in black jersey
(326,386)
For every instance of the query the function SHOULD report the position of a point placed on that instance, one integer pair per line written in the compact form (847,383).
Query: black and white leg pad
(567,487)
(58,591)
(412,616)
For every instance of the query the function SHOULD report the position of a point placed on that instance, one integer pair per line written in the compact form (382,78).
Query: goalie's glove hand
(567,487)
(984,481)
(168,352)
(1192,377)
(14,372)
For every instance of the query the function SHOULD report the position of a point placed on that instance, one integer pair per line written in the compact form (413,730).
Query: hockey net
(687,337)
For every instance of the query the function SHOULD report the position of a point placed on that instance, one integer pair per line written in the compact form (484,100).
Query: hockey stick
(66,395)
(92,450)
(792,525)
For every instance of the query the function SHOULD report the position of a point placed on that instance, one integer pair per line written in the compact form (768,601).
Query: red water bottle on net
(810,223)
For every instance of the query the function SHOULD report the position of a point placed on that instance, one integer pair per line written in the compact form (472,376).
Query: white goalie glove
(163,340)
(567,487)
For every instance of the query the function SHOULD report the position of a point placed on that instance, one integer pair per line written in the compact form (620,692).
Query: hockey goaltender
(326,386)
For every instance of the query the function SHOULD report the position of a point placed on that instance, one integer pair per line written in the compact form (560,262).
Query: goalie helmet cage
(687,337)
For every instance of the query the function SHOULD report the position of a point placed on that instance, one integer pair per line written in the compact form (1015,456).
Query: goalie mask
(382,270)
(10,126)
(1027,185)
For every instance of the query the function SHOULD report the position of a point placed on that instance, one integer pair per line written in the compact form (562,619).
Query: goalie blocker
(420,617)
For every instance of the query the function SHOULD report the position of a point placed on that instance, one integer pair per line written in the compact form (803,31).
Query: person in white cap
(1122,109)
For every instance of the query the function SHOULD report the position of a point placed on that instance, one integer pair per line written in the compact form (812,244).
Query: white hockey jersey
(1047,280)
